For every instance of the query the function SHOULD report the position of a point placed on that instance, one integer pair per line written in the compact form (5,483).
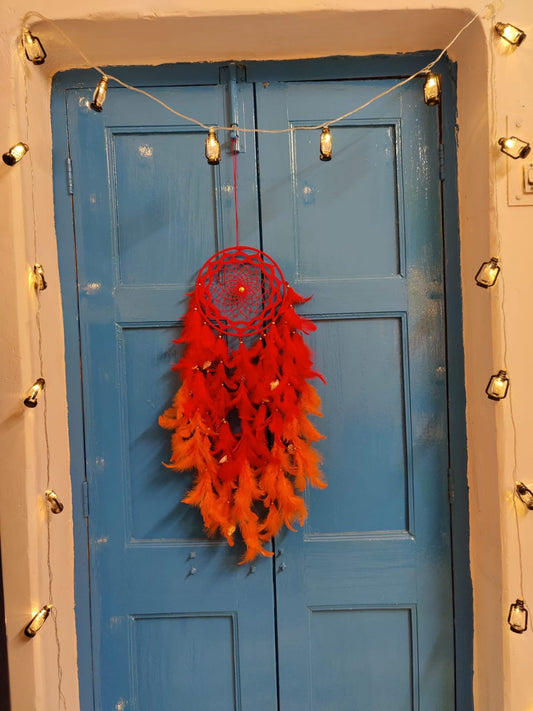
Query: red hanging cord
(234,150)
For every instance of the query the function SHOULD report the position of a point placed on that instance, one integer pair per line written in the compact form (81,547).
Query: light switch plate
(519,193)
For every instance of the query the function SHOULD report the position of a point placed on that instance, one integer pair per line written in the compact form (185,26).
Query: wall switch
(528,178)
(519,171)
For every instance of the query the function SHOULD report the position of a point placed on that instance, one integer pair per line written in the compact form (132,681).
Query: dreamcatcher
(240,418)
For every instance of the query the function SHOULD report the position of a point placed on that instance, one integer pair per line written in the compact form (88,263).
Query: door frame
(296,70)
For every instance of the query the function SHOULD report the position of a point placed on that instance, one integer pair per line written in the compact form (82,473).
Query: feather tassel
(240,421)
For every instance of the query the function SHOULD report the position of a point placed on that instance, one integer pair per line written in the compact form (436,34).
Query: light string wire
(40,350)
(289,129)
(494,137)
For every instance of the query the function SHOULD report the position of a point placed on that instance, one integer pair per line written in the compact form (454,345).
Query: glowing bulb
(30,399)
(37,621)
(99,95)
(325,144)
(514,147)
(510,33)
(524,494)
(212,148)
(517,617)
(33,48)
(15,153)
(432,89)
(39,280)
(55,504)
(498,386)
(488,273)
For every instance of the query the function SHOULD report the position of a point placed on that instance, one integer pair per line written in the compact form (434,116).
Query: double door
(354,611)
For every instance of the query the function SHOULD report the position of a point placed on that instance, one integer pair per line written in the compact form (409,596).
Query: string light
(518,612)
(38,277)
(16,153)
(56,506)
(37,621)
(432,89)
(498,386)
(290,129)
(33,48)
(488,273)
(517,617)
(100,94)
(325,144)
(524,493)
(212,148)
(31,397)
(514,147)
(39,282)
(510,33)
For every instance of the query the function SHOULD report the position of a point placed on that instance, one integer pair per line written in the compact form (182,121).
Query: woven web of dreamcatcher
(240,291)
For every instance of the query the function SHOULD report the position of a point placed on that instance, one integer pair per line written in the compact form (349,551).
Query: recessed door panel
(365,204)
(365,419)
(186,657)
(156,194)
(362,658)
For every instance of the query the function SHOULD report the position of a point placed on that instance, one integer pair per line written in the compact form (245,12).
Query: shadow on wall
(289,35)
(5,704)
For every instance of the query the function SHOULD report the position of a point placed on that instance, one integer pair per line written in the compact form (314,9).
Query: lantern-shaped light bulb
(510,33)
(325,144)
(524,493)
(498,386)
(517,617)
(37,621)
(212,148)
(432,89)
(15,153)
(56,506)
(33,48)
(31,397)
(488,273)
(514,147)
(99,95)
(38,277)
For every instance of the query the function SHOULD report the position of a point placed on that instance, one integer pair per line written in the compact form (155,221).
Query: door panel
(381,678)
(362,234)
(355,610)
(365,371)
(176,622)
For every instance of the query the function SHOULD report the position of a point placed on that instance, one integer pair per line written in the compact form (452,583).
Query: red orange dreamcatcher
(240,418)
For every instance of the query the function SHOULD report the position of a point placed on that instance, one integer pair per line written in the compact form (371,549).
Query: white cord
(290,129)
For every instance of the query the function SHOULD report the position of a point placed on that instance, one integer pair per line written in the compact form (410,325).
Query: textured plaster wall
(492,85)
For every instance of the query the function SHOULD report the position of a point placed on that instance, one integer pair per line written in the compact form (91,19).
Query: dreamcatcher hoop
(240,291)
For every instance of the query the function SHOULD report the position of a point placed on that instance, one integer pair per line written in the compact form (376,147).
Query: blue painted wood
(463,603)
(67,268)
(148,211)
(370,574)
(362,233)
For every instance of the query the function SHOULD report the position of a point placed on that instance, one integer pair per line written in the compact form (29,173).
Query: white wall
(492,85)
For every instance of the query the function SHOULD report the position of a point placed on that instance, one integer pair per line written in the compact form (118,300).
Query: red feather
(240,421)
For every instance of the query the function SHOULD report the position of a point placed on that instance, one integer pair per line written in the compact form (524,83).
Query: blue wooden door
(364,598)
(176,623)
(355,610)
